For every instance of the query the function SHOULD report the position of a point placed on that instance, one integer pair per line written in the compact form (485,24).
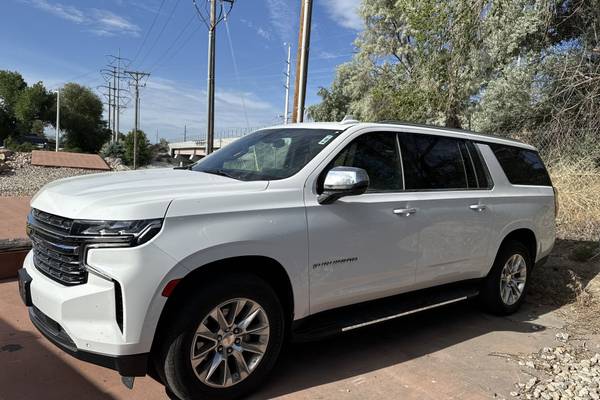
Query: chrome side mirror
(343,181)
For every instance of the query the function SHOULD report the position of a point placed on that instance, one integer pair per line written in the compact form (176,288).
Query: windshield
(267,154)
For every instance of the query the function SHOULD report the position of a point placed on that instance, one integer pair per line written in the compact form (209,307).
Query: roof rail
(349,119)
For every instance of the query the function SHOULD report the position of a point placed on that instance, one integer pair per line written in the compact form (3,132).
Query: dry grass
(571,286)
(578,184)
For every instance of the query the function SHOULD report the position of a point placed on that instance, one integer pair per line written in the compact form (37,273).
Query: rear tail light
(555,201)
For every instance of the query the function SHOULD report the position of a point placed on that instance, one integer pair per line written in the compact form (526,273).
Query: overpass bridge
(197,148)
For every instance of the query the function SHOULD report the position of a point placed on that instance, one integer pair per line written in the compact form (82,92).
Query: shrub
(114,150)
(12,144)
(144,153)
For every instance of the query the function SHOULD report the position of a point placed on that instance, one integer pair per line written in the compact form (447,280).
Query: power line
(172,45)
(235,70)
(183,44)
(160,33)
(148,32)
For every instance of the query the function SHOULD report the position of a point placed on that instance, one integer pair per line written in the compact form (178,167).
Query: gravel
(24,179)
(563,372)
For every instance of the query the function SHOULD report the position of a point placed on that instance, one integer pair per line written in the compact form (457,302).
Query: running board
(345,319)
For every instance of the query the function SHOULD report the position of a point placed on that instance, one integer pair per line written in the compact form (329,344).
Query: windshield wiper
(220,172)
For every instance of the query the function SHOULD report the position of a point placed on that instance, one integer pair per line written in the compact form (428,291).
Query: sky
(71,40)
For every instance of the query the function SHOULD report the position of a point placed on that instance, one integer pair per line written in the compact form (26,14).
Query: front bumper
(111,319)
(129,365)
(126,365)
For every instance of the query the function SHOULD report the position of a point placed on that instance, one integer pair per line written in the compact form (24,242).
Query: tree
(81,119)
(11,85)
(7,123)
(144,153)
(33,103)
(428,60)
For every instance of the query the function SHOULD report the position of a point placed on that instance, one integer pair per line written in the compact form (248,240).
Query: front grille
(54,222)
(55,253)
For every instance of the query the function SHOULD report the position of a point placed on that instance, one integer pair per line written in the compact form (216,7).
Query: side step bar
(332,322)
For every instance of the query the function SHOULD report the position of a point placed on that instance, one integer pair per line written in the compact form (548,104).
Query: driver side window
(376,153)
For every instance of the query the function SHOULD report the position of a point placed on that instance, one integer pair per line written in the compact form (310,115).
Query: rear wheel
(225,340)
(503,290)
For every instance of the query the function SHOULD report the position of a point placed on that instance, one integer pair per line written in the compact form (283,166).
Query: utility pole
(302,61)
(184,133)
(115,133)
(156,135)
(287,85)
(118,96)
(211,77)
(112,132)
(211,21)
(136,76)
(57,118)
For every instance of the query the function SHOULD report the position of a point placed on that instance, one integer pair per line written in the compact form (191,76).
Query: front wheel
(224,341)
(503,290)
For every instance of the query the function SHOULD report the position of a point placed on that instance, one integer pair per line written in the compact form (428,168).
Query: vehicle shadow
(29,370)
(308,365)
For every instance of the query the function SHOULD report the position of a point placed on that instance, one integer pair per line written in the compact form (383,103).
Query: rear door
(452,188)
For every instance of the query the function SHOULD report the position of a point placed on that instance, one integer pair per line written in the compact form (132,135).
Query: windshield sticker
(326,139)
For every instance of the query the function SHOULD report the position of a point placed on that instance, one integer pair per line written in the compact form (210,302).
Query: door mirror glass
(343,181)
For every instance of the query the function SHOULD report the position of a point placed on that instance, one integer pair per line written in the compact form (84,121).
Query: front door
(363,247)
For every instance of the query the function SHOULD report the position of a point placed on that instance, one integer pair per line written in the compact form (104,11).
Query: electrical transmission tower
(136,80)
(120,101)
(212,15)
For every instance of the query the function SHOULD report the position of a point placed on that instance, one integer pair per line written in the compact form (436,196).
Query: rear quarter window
(521,166)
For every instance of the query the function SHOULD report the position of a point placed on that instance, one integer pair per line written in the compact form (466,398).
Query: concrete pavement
(450,353)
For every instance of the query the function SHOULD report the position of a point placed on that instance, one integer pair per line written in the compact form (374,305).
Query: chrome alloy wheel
(229,343)
(512,279)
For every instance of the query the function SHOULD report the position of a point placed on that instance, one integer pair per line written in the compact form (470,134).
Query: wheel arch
(266,268)
(525,236)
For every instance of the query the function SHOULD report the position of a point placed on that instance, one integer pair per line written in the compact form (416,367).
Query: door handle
(405,212)
(478,207)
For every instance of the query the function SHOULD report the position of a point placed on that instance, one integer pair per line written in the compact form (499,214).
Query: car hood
(132,195)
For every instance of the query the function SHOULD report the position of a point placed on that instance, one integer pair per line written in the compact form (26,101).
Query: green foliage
(11,86)
(113,149)
(37,127)
(144,153)
(7,123)
(81,119)
(431,61)
(33,103)
(14,145)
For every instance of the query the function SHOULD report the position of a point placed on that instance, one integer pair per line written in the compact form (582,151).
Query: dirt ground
(457,352)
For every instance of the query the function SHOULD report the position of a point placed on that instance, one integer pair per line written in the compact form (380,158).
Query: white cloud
(283,18)
(99,22)
(168,105)
(260,31)
(345,13)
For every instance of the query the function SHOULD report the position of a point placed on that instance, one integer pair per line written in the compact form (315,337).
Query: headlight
(134,232)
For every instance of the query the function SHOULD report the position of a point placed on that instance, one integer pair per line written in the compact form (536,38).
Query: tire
(238,297)
(491,293)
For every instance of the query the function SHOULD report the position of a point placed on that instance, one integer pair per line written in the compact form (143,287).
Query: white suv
(198,276)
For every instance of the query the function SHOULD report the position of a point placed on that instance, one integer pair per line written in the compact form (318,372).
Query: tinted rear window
(433,162)
(521,166)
